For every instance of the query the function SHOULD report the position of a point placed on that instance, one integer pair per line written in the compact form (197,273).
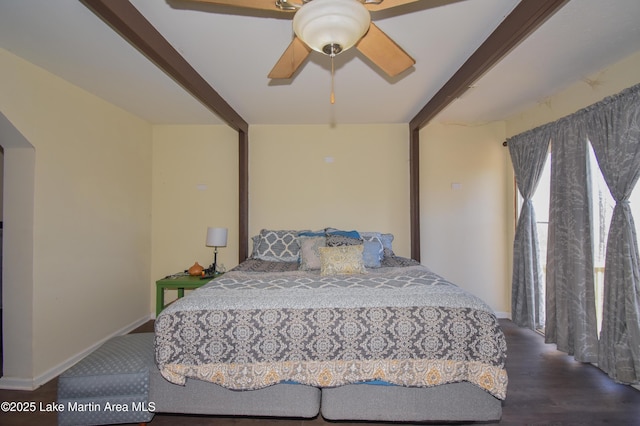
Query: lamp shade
(331,26)
(216,237)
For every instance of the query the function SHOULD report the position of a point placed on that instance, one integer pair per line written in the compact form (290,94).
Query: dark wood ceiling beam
(243,194)
(135,28)
(518,25)
(414,192)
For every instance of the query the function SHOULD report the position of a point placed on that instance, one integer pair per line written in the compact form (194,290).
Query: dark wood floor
(546,387)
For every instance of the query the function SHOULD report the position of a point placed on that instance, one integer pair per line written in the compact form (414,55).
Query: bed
(330,322)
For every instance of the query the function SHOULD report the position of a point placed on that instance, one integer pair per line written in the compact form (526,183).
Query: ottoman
(110,385)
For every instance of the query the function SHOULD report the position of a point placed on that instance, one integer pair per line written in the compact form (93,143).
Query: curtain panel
(528,155)
(614,130)
(570,294)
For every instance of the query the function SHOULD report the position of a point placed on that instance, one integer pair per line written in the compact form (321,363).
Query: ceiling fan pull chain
(333,96)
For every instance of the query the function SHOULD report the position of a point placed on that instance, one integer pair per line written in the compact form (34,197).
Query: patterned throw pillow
(334,240)
(341,260)
(255,240)
(309,254)
(278,246)
(387,243)
(385,239)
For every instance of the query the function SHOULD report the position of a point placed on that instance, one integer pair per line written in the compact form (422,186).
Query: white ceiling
(234,50)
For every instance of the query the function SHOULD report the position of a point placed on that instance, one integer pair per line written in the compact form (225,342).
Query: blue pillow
(349,234)
(372,254)
(311,233)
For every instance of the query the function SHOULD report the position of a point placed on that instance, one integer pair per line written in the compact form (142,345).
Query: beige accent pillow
(341,260)
(309,254)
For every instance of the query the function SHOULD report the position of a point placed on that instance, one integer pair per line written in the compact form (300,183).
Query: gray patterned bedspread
(402,325)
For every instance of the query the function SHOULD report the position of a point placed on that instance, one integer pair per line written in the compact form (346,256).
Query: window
(602,204)
(541,205)
(602,210)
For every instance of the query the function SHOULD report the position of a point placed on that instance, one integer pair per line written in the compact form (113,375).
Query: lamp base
(211,270)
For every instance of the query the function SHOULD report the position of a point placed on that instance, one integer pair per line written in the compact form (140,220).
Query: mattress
(267,323)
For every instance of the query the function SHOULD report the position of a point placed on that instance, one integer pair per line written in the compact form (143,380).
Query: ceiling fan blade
(250,4)
(384,52)
(376,6)
(291,59)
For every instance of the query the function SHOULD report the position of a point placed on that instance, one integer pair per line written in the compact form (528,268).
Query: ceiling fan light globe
(322,23)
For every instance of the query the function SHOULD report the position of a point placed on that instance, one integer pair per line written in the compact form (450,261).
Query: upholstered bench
(110,385)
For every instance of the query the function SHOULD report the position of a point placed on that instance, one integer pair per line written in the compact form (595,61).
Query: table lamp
(216,237)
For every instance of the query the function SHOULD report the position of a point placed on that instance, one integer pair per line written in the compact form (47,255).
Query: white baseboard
(503,315)
(18,383)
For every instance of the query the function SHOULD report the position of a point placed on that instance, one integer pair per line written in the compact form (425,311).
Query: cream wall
(195,185)
(91,201)
(317,176)
(589,90)
(463,208)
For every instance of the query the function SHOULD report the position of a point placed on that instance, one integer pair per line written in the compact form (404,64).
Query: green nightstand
(178,282)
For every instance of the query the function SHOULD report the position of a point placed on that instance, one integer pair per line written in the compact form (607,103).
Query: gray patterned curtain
(614,131)
(613,127)
(570,299)
(528,154)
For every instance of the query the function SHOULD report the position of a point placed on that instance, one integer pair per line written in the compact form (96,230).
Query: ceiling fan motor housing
(331,26)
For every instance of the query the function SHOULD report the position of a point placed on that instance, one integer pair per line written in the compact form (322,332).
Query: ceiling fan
(331,27)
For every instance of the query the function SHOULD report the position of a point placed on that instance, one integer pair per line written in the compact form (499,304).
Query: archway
(17,271)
